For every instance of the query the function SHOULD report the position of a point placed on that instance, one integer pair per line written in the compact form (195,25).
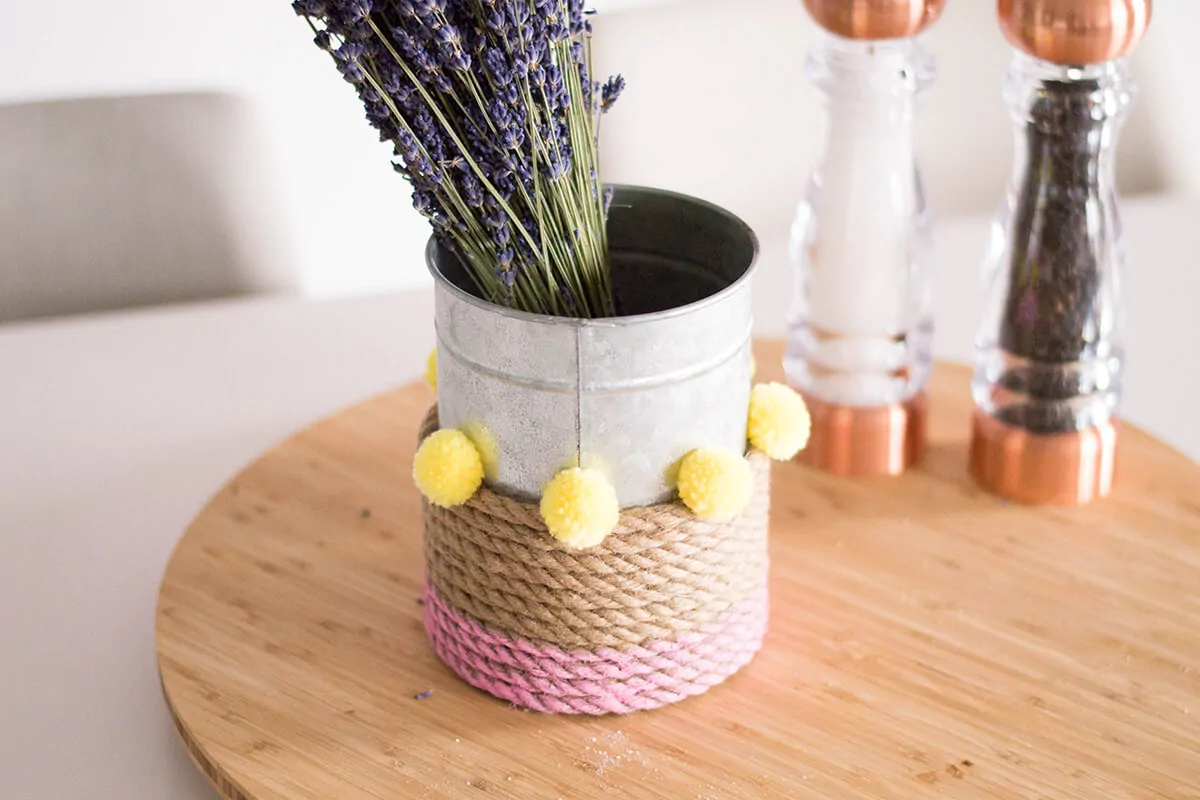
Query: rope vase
(665,608)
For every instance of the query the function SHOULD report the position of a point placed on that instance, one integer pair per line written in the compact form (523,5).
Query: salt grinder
(860,333)
(1048,363)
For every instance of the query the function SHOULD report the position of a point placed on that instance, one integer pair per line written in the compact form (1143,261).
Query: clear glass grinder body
(1048,355)
(861,327)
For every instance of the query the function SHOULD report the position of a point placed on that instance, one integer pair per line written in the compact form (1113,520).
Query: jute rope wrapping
(665,608)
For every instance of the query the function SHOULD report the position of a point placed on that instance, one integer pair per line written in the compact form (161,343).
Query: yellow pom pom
(485,443)
(716,484)
(580,507)
(447,469)
(779,421)
(431,369)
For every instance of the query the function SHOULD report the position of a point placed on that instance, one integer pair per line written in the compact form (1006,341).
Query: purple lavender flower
(451,48)
(430,134)
(529,56)
(476,42)
(347,57)
(392,80)
(506,185)
(405,43)
(537,77)
(502,234)
(499,70)
(518,166)
(346,19)
(414,155)
(449,35)
(493,215)
(512,95)
(506,270)
(612,91)
(554,90)
(557,26)
(407,146)
(309,8)
(516,12)
(427,204)
(575,17)
(472,189)
(424,61)
(558,165)
(513,137)
(496,22)
(357,10)
(499,113)
(379,113)
(533,30)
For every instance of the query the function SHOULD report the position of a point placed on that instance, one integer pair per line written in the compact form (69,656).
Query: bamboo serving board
(925,640)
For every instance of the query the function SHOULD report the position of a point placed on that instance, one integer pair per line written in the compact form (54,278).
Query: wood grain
(926,640)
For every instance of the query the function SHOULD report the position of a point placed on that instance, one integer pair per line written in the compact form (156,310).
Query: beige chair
(121,202)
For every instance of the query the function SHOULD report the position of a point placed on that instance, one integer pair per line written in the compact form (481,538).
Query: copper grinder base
(862,442)
(1062,469)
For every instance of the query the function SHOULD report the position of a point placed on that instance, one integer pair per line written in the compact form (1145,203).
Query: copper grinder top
(875,19)
(1074,32)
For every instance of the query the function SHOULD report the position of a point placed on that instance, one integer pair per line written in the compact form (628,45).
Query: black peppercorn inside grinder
(1048,362)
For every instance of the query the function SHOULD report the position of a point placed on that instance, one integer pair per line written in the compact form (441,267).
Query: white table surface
(115,430)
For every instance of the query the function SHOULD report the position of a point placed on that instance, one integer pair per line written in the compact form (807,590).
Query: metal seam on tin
(579,384)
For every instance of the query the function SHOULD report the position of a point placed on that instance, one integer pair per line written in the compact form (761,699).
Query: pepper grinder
(1048,363)
(860,334)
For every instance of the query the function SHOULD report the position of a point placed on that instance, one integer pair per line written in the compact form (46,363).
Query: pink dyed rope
(605,681)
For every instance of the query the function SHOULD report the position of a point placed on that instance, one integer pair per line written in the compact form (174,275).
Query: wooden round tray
(925,638)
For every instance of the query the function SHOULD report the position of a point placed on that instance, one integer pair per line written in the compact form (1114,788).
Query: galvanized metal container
(629,395)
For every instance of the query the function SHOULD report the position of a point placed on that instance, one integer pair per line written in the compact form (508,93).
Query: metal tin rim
(748,275)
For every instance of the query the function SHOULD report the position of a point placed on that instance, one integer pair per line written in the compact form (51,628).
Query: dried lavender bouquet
(495,118)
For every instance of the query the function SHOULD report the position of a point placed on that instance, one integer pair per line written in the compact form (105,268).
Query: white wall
(717,105)
(1170,71)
